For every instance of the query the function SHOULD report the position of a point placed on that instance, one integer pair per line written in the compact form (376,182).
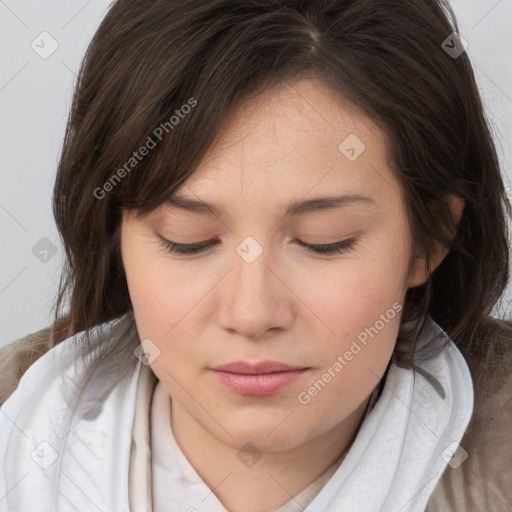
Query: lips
(256,368)
(265,378)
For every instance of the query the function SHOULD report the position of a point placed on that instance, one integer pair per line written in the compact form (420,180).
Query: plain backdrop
(42,44)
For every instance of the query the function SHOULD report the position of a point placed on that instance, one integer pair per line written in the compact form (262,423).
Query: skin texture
(288,305)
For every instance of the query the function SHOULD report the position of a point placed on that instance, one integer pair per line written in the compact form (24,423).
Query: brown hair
(148,59)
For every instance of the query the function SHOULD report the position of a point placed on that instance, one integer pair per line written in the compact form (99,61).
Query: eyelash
(190,249)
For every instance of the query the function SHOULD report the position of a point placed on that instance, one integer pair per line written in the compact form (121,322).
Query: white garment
(87,440)
(61,452)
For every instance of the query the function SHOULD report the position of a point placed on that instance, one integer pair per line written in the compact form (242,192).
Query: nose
(255,297)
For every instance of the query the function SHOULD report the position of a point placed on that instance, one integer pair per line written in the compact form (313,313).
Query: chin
(264,437)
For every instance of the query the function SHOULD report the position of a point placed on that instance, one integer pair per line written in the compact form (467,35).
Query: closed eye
(198,247)
(334,248)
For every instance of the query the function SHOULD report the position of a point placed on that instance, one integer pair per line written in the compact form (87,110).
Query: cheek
(350,294)
(361,321)
(357,303)
(162,292)
(166,301)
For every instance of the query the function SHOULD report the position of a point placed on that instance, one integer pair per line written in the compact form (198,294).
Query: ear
(418,273)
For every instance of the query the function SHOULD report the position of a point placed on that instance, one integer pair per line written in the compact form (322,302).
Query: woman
(285,232)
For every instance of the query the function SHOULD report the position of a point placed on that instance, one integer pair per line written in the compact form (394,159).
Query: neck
(260,481)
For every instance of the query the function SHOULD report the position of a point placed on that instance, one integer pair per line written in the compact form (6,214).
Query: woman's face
(256,293)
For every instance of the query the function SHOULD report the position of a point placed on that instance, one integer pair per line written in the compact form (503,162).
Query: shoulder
(77,397)
(483,481)
(18,356)
(116,339)
(56,340)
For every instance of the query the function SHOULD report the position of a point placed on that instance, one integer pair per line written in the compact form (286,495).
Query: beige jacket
(483,482)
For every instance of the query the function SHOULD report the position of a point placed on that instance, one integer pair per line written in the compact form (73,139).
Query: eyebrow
(293,208)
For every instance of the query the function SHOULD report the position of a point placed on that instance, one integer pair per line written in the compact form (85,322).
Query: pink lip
(264,378)
(256,368)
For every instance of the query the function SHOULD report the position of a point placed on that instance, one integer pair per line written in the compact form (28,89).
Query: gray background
(35,96)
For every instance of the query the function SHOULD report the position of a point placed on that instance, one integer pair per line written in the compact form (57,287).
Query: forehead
(292,118)
(280,151)
(294,137)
